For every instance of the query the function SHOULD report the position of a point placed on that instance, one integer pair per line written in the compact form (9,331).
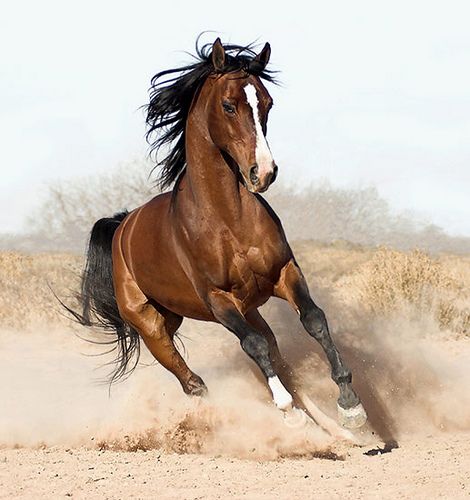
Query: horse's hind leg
(157,327)
(159,341)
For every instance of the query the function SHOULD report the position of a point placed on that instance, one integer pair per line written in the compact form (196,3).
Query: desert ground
(401,320)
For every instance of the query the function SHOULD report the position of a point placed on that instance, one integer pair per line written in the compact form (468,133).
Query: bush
(72,207)
(392,280)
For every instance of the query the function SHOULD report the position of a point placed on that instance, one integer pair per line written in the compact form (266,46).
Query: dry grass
(27,282)
(392,280)
(374,282)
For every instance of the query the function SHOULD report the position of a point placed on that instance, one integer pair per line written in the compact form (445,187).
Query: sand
(430,467)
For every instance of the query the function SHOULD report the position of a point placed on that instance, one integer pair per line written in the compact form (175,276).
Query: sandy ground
(71,440)
(64,435)
(431,467)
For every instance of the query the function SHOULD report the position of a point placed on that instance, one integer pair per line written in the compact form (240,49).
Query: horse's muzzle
(260,182)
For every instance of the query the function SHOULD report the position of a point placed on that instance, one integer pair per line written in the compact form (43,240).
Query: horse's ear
(218,55)
(262,59)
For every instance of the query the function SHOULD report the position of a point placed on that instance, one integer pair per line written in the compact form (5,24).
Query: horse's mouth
(252,188)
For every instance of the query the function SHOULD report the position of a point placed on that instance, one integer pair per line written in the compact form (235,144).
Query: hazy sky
(374,92)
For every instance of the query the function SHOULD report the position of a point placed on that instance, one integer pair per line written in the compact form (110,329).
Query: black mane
(170,100)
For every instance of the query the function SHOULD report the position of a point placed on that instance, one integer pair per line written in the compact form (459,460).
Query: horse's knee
(257,347)
(314,321)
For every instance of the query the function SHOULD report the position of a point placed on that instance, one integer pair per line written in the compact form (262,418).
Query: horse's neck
(211,181)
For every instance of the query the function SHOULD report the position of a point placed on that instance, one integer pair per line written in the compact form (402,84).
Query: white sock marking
(264,158)
(281,397)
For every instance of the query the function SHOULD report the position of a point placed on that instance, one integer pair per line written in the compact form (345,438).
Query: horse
(212,248)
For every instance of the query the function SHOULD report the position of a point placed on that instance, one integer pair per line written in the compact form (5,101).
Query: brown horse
(212,248)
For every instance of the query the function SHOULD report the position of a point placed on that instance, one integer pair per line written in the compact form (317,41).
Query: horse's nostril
(254,174)
(275,170)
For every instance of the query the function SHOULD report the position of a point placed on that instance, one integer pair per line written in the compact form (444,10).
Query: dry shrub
(27,282)
(71,207)
(395,276)
(391,280)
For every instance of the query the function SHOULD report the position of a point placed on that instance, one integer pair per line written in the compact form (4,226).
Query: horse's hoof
(295,418)
(352,418)
(195,387)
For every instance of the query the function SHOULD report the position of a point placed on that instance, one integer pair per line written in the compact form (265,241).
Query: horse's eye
(228,108)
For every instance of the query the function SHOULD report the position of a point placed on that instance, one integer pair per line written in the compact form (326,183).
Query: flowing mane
(171,98)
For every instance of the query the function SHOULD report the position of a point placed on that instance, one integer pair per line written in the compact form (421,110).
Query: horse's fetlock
(347,397)
(342,376)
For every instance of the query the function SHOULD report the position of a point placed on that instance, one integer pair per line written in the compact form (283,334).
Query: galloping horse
(211,249)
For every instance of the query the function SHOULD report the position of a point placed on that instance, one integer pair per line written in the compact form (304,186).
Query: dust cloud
(51,396)
(410,382)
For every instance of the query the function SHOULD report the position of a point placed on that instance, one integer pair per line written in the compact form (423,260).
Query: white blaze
(264,158)
(281,397)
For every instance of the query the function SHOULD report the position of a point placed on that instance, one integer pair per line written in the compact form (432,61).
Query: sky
(373,93)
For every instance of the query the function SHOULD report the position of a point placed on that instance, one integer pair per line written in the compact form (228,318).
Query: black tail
(98,301)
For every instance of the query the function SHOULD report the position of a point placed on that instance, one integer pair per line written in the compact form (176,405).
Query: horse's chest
(254,272)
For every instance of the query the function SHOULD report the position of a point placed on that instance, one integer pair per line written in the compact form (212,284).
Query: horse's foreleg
(255,344)
(293,288)
(257,321)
